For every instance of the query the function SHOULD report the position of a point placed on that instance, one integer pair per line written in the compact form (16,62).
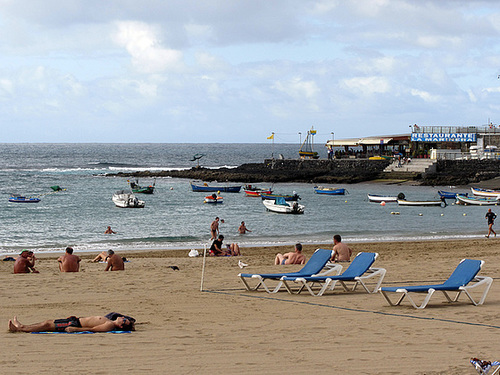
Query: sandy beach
(226,329)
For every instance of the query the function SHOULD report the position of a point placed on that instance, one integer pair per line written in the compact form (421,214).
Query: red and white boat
(254,191)
(214,198)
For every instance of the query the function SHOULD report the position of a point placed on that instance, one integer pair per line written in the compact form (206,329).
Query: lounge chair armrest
(330,269)
(479,280)
(373,272)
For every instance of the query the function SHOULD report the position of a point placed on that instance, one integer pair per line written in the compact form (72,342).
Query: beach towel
(484,367)
(75,333)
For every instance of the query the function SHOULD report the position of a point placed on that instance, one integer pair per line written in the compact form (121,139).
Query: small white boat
(403,202)
(127,199)
(381,198)
(485,192)
(283,207)
(473,201)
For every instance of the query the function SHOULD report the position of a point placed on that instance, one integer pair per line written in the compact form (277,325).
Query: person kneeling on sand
(115,262)
(69,262)
(291,258)
(216,248)
(74,324)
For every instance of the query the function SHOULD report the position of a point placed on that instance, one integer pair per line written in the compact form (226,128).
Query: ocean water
(175,217)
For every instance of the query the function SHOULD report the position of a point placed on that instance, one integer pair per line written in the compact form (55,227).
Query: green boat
(136,188)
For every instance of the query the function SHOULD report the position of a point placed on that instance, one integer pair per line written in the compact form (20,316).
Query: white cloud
(142,43)
(367,85)
(424,95)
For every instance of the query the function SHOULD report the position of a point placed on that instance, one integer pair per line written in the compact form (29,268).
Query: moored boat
(475,201)
(127,199)
(203,186)
(286,197)
(403,202)
(381,198)
(485,192)
(281,206)
(329,190)
(214,198)
(254,191)
(136,188)
(21,199)
(449,194)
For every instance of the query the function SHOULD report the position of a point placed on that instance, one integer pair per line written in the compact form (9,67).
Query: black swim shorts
(72,321)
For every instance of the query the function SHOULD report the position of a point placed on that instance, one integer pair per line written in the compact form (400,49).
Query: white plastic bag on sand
(193,253)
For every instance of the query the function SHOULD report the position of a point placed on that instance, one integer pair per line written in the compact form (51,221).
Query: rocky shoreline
(347,171)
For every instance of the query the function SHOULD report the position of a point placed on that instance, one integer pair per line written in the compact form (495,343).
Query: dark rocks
(462,172)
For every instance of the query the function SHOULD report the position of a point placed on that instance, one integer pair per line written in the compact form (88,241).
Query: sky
(234,71)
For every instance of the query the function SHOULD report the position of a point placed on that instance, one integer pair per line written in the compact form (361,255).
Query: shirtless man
(214,229)
(74,324)
(69,262)
(341,252)
(25,262)
(291,258)
(243,229)
(115,262)
(109,231)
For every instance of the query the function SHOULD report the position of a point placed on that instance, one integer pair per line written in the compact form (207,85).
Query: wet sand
(226,329)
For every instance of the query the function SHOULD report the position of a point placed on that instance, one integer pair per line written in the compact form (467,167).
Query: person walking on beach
(69,262)
(291,258)
(341,252)
(243,229)
(490,215)
(115,262)
(74,324)
(214,229)
(25,262)
(109,231)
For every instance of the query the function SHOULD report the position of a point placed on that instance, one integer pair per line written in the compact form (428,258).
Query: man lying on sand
(74,324)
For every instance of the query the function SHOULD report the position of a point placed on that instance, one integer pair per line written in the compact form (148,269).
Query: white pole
(203,267)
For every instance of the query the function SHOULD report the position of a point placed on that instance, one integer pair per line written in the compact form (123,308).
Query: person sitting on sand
(101,257)
(341,252)
(243,229)
(74,324)
(25,262)
(233,249)
(109,231)
(115,262)
(291,258)
(69,262)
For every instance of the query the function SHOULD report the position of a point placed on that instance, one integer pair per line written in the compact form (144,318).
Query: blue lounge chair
(458,282)
(358,272)
(314,266)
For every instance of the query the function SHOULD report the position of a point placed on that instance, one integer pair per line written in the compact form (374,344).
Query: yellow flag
(271,136)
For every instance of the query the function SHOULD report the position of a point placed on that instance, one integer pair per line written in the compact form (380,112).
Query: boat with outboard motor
(127,199)
(281,206)
(136,188)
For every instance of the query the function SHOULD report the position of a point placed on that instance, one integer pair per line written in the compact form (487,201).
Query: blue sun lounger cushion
(314,266)
(465,273)
(358,272)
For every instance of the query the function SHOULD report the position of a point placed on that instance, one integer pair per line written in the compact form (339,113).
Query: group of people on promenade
(68,262)
(216,248)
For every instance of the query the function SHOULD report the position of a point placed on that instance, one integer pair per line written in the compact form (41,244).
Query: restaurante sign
(443,137)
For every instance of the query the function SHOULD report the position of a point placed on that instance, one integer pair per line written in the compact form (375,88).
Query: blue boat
(286,197)
(21,199)
(329,191)
(204,187)
(449,194)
